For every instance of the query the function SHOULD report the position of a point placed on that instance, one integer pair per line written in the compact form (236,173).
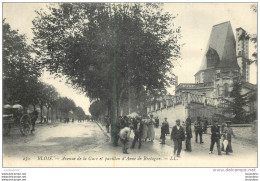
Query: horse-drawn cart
(14,116)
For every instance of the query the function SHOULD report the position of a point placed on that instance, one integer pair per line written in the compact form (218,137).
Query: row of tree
(106,49)
(21,79)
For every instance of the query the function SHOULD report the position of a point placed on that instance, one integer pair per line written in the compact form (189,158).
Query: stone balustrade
(187,98)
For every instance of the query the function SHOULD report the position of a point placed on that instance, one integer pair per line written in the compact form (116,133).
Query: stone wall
(188,105)
(171,113)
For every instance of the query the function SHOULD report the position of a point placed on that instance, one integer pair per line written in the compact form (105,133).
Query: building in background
(242,52)
(224,62)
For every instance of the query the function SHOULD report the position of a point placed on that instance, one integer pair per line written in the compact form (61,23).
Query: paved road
(52,140)
(60,145)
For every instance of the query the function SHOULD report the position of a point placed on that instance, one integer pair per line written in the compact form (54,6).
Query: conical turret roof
(222,40)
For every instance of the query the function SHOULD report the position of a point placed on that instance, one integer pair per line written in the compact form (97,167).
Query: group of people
(221,136)
(143,129)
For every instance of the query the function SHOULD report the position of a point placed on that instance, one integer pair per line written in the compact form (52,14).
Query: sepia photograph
(127,84)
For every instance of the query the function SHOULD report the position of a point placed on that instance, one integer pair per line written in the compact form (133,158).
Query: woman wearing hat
(228,132)
(150,132)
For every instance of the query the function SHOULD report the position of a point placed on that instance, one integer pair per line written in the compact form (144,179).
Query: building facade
(225,61)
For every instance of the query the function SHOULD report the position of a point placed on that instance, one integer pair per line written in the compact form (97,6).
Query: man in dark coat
(188,135)
(177,135)
(138,131)
(34,117)
(107,120)
(205,125)
(215,136)
(157,122)
(198,129)
(164,130)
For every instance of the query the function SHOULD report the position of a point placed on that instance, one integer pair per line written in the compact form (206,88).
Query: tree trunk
(41,112)
(56,113)
(52,120)
(48,114)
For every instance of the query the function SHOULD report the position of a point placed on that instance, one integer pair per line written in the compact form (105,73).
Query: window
(226,90)
(202,77)
(212,57)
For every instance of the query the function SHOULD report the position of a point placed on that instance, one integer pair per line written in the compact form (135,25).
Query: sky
(196,21)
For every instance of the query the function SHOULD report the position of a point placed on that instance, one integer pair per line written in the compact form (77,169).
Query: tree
(65,105)
(105,49)
(20,71)
(238,102)
(51,95)
(97,109)
(80,114)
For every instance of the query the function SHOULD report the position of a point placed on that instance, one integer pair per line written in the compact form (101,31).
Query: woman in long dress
(145,129)
(151,133)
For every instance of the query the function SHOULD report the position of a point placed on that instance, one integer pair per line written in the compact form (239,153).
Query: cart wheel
(25,125)
(7,129)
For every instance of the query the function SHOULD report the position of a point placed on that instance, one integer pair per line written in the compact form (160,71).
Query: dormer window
(212,58)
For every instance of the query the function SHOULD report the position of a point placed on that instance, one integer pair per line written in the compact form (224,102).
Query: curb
(104,131)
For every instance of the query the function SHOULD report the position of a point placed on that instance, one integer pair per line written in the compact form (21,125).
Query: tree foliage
(104,49)
(238,102)
(79,113)
(65,105)
(97,109)
(20,71)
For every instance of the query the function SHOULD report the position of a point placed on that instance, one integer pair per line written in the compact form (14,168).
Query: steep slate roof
(223,41)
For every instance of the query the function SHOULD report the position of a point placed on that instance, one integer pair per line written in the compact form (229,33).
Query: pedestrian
(157,121)
(177,135)
(205,125)
(44,119)
(188,135)
(145,129)
(124,138)
(215,136)
(151,132)
(198,129)
(223,127)
(107,120)
(34,117)
(138,131)
(228,132)
(123,122)
(164,130)
(116,131)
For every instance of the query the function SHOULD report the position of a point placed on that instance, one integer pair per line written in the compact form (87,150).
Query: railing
(196,98)
(223,103)
(183,85)
(192,98)
(210,101)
